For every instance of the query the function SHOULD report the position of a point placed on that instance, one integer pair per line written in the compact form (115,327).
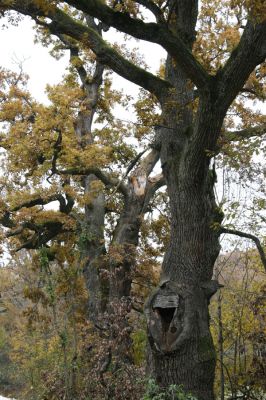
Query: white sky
(17,45)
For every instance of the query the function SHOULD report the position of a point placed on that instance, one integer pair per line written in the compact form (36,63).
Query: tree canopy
(83,192)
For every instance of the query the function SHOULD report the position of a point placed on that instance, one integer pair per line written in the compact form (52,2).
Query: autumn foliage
(84,210)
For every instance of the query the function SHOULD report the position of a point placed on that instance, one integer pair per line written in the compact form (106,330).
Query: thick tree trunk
(105,289)
(122,260)
(178,325)
(177,313)
(178,319)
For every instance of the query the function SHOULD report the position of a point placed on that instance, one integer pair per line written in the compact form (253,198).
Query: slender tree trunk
(122,251)
(91,239)
(93,249)
(123,248)
(234,393)
(126,235)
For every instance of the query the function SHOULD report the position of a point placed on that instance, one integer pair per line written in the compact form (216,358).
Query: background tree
(195,92)
(237,326)
(70,243)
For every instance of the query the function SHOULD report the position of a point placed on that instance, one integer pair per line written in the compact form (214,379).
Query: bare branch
(248,236)
(134,162)
(39,201)
(65,207)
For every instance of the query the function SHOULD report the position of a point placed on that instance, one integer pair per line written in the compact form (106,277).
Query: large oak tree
(194,93)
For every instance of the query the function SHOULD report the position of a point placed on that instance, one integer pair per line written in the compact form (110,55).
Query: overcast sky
(17,45)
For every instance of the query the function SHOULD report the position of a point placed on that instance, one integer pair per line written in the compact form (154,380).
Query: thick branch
(248,236)
(43,233)
(39,239)
(107,55)
(152,32)
(148,163)
(25,225)
(64,24)
(250,52)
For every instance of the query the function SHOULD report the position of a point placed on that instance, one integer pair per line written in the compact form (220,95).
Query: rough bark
(122,252)
(181,343)
(179,336)
(126,235)
(189,260)
(193,249)
(91,239)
